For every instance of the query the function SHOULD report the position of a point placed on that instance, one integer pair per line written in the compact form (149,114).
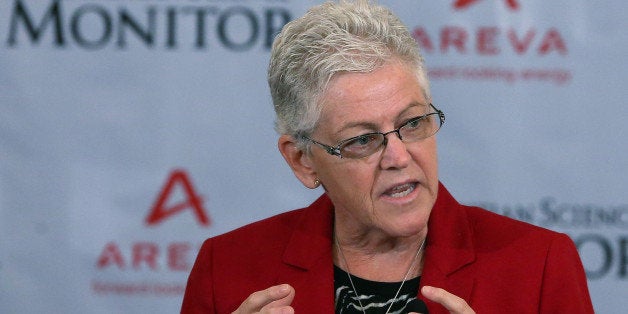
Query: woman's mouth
(400,190)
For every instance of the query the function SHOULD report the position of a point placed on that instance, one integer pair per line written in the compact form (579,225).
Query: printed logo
(160,211)
(133,266)
(463,4)
(523,44)
(90,26)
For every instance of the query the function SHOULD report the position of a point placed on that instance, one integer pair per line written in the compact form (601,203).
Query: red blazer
(496,264)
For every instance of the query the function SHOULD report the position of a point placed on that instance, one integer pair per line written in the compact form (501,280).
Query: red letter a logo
(159,212)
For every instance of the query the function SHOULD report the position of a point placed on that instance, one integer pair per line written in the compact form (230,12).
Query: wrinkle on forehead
(368,100)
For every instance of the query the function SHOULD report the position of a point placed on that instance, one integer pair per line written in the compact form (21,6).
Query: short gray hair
(347,36)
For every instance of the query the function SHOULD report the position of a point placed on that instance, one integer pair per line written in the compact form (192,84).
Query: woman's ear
(299,161)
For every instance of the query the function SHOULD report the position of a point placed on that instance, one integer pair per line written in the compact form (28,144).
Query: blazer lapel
(308,262)
(449,252)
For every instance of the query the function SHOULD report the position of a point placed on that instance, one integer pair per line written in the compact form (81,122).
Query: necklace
(355,291)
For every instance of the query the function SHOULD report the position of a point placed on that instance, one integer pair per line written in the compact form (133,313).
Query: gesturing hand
(274,300)
(453,303)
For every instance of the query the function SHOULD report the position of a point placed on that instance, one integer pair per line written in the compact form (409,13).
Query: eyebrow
(374,126)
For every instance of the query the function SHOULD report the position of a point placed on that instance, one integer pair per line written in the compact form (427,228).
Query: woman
(355,116)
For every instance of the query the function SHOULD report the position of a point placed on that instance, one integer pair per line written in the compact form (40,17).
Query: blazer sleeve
(199,292)
(564,287)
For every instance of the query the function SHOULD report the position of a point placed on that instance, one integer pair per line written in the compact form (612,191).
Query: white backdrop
(132,130)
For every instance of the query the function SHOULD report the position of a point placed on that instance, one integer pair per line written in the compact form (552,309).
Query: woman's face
(392,191)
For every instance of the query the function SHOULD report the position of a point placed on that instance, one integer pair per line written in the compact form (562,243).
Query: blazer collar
(449,240)
(308,262)
(312,236)
(449,250)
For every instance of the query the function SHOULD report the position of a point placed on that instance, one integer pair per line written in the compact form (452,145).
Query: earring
(317,183)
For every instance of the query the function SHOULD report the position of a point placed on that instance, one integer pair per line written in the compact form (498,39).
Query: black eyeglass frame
(335,150)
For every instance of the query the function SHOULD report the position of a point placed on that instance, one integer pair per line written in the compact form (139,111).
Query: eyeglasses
(415,129)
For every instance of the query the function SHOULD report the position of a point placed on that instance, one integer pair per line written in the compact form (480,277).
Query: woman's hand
(451,302)
(274,300)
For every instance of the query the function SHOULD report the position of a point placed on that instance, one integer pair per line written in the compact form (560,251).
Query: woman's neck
(377,256)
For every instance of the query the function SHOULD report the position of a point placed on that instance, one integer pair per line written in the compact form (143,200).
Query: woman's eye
(414,123)
(361,141)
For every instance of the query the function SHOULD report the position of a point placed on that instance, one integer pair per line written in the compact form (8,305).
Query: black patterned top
(376,297)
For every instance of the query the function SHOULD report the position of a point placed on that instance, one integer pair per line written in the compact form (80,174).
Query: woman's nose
(395,153)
